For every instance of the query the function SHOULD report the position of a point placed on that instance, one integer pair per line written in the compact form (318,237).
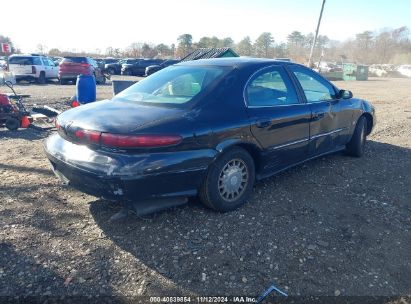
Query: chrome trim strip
(306,139)
(275,106)
(290,144)
(325,134)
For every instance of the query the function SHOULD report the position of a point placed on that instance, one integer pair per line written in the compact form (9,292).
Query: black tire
(12,124)
(63,81)
(212,191)
(356,145)
(42,78)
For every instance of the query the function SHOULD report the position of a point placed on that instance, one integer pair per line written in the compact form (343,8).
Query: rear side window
(270,87)
(316,89)
(21,60)
(74,60)
(175,85)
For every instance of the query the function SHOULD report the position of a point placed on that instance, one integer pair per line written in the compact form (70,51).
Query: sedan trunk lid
(118,117)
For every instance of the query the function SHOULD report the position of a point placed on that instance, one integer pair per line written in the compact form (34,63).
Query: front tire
(229,181)
(356,145)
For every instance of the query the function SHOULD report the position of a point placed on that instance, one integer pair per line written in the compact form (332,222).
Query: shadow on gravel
(32,275)
(27,134)
(335,224)
(37,282)
(26,169)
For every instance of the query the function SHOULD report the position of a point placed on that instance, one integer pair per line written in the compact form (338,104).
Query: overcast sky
(91,25)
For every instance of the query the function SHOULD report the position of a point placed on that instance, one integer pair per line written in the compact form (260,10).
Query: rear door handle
(318,115)
(263,123)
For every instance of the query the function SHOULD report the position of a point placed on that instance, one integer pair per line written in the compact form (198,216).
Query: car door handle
(263,123)
(318,115)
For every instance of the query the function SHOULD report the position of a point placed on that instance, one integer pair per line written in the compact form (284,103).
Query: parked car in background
(71,67)
(151,69)
(106,62)
(405,70)
(100,63)
(325,66)
(114,68)
(208,128)
(33,67)
(56,60)
(139,67)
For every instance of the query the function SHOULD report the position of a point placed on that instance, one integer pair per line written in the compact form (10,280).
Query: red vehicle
(71,67)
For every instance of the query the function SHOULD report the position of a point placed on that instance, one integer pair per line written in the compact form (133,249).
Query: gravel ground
(333,226)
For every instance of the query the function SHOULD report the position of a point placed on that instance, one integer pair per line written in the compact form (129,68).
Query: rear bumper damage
(128,177)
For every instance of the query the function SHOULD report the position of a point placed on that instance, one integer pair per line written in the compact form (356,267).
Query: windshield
(74,60)
(175,85)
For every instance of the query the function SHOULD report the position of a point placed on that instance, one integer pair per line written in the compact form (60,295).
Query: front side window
(316,89)
(176,85)
(45,61)
(270,88)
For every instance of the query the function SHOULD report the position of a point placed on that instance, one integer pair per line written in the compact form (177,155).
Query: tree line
(383,46)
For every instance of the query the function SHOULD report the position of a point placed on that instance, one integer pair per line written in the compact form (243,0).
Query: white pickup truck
(32,68)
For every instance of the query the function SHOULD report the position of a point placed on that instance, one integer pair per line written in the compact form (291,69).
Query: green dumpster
(362,72)
(349,71)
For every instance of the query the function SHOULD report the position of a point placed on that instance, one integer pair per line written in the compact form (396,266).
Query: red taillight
(138,141)
(87,136)
(85,65)
(33,69)
(123,141)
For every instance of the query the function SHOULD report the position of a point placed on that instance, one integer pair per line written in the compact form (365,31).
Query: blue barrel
(86,88)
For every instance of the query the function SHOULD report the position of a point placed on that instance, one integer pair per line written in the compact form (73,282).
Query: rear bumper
(129,177)
(70,75)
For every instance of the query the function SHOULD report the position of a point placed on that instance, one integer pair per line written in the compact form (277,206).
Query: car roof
(236,62)
(27,55)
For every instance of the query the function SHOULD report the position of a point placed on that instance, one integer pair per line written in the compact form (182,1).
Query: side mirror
(345,94)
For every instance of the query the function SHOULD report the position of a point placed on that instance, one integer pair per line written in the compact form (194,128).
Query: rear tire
(356,145)
(229,181)
(12,124)
(63,81)
(102,80)
(42,78)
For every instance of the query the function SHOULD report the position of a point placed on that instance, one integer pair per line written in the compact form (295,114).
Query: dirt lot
(334,226)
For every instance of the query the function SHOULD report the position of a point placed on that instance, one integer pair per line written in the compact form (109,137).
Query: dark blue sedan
(207,128)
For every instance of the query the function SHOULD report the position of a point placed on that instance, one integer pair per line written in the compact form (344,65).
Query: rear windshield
(74,60)
(21,60)
(175,85)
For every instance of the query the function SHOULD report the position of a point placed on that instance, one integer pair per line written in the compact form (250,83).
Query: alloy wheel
(233,180)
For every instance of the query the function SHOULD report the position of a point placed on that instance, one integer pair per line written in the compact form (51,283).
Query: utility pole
(316,35)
